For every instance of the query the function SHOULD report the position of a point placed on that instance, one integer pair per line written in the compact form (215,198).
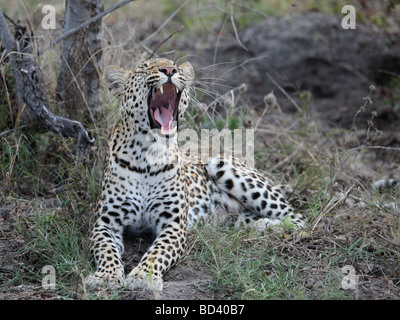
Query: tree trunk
(78,84)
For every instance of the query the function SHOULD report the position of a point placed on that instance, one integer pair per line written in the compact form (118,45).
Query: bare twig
(219,35)
(288,158)
(367,100)
(284,92)
(11,20)
(251,9)
(235,30)
(243,64)
(373,147)
(387,240)
(86,23)
(391,73)
(164,40)
(333,202)
(161,27)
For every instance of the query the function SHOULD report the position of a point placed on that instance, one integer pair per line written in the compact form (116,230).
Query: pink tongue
(164,118)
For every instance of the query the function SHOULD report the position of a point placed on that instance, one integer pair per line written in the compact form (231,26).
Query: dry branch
(30,86)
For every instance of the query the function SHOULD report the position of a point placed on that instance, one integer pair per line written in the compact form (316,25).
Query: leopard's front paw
(140,279)
(102,279)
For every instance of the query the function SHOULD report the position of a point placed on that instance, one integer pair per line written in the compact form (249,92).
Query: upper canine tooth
(162,90)
(177,90)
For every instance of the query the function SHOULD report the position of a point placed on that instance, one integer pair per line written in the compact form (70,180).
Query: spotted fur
(142,191)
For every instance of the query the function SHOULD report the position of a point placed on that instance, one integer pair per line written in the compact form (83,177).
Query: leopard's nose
(168,71)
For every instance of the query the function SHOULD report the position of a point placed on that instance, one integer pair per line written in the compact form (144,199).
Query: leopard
(150,185)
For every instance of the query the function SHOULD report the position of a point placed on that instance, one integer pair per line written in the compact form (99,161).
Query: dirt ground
(186,281)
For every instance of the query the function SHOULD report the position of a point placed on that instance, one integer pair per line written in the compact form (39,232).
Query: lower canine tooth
(171,131)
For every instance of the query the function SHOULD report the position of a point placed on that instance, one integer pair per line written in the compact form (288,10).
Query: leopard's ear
(188,72)
(115,78)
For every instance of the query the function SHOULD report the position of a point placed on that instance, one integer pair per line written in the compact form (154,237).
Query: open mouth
(163,108)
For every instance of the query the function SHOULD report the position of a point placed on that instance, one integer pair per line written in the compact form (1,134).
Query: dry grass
(349,222)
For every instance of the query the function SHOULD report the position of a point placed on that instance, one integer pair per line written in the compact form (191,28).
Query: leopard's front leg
(165,251)
(107,248)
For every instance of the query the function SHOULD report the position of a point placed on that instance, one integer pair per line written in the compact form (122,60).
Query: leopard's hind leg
(263,202)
